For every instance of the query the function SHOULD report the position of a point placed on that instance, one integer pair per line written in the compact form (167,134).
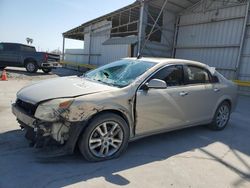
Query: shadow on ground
(22,164)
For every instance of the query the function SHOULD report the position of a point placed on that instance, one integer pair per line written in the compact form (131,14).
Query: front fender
(84,111)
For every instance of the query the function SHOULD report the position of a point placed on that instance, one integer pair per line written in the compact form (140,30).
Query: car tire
(98,143)
(221,117)
(31,67)
(46,70)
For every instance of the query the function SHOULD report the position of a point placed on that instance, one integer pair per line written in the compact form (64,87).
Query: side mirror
(156,84)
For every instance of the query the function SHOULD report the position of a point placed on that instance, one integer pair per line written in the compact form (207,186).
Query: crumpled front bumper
(22,116)
(33,132)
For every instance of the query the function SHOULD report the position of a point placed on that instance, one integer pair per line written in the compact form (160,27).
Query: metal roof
(80,29)
(176,6)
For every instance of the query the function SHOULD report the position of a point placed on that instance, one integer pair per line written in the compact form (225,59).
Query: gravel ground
(14,73)
(194,157)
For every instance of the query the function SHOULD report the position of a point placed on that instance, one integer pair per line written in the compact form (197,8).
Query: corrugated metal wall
(102,54)
(112,53)
(74,55)
(94,51)
(212,37)
(244,73)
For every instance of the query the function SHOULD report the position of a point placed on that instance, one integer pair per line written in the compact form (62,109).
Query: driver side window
(172,75)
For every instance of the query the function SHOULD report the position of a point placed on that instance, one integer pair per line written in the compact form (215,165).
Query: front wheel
(221,117)
(46,70)
(106,137)
(31,67)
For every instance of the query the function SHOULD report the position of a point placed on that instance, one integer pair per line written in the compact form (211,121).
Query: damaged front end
(46,124)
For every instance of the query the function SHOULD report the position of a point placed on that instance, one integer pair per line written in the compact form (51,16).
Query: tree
(29,40)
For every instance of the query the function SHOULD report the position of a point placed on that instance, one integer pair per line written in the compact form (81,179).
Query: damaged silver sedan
(101,111)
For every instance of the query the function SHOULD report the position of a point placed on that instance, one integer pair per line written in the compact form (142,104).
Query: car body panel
(120,101)
(158,109)
(60,87)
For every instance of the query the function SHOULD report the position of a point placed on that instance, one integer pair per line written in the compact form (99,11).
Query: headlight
(51,110)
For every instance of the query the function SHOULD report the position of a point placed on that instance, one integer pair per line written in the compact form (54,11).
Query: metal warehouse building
(215,32)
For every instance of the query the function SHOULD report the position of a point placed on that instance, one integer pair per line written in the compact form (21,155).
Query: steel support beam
(90,43)
(63,48)
(212,22)
(175,36)
(209,46)
(141,33)
(242,42)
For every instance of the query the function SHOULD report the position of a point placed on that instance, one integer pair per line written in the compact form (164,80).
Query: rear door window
(196,75)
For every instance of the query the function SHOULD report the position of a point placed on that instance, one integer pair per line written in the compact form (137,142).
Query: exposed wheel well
(27,60)
(228,101)
(109,111)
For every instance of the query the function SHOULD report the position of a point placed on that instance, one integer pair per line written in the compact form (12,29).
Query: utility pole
(141,34)
(63,48)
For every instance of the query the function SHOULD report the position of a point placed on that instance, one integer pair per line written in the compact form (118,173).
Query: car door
(11,54)
(161,109)
(198,98)
(214,93)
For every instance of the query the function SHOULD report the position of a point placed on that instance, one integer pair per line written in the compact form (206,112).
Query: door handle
(183,93)
(216,89)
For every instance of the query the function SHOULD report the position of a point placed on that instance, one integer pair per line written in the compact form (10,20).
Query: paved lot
(194,157)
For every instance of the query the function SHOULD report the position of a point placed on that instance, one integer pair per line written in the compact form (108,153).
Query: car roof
(163,61)
(17,44)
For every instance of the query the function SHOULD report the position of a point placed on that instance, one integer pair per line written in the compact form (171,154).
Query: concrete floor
(194,157)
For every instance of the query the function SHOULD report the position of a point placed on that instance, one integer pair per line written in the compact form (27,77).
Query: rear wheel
(106,137)
(46,70)
(31,67)
(221,117)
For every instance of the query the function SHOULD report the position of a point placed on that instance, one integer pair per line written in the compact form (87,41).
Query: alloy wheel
(222,116)
(106,139)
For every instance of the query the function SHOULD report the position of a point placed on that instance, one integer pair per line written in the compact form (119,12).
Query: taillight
(46,56)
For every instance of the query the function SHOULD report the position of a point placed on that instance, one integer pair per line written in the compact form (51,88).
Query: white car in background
(106,108)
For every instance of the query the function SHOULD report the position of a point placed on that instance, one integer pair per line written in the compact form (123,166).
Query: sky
(45,20)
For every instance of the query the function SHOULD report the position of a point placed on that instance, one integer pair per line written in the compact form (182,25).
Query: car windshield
(120,73)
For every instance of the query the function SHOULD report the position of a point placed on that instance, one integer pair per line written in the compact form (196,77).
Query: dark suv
(20,55)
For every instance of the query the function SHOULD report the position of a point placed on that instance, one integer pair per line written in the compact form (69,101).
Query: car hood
(60,88)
